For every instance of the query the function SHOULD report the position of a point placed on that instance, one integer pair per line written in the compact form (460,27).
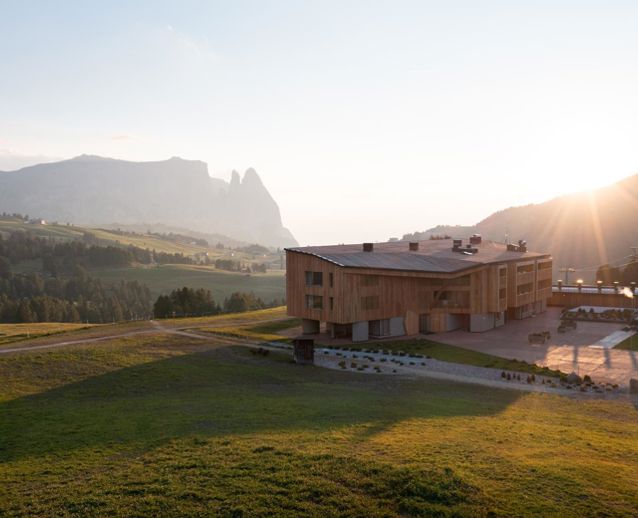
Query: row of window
(316,302)
(316,279)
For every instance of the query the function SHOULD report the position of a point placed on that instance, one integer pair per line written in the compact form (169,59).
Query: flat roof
(433,255)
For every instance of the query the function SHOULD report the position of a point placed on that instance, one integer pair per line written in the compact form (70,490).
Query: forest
(188,302)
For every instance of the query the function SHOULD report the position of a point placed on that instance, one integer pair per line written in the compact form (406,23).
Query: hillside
(165,425)
(581,230)
(96,191)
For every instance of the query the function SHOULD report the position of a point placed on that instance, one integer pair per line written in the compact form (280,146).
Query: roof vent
(456,244)
(475,239)
(414,246)
(368,247)
(521,247)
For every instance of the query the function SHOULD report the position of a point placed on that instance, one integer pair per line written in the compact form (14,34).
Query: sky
(365,119)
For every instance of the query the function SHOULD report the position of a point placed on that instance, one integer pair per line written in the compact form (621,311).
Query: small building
(400,288)
(304,350)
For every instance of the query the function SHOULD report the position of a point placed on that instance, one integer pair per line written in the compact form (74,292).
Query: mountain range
(581,231)
(93,191)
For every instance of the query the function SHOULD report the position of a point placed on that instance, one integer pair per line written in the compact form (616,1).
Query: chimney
(414,246)
(368,247)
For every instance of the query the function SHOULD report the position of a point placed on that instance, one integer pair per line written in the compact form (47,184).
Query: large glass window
(314,302)
(314,278)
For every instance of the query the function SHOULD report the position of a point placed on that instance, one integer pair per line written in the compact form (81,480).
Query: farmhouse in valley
(402,288)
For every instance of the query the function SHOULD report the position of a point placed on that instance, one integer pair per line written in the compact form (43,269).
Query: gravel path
(431,368)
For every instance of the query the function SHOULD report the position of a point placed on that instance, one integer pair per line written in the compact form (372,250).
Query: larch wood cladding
(355,291)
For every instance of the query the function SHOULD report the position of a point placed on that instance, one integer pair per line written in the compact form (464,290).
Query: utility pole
(567,270)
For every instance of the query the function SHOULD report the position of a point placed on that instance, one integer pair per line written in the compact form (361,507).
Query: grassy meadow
(73,232)
(164,278)
(16,332)
(175,426)
(630,344)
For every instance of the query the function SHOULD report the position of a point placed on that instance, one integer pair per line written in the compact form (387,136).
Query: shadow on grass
(220,392)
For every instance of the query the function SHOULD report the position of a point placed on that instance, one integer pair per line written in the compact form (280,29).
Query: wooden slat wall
(403,294)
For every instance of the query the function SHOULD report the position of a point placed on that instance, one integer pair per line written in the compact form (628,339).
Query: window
(314,302)
(314,278)
(332,303)
(527,268)
(331,278)
(370,302)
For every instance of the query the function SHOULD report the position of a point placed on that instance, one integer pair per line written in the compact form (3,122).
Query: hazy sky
(364,119)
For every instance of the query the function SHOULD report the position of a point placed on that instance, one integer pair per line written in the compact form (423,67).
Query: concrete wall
(396,326)
(360,331)
(310,327)
(480,322)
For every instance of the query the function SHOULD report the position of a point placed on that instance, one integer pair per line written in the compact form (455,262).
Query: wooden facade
(320,290)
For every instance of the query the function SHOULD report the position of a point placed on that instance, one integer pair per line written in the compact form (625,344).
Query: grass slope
(16,332)
(629,344)
(106,236)
(163,279)
(171,426)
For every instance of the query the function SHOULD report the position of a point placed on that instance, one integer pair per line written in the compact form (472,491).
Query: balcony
(524,278)
(525,298)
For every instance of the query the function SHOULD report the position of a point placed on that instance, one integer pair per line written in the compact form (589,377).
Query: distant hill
(94,191)
(580,230)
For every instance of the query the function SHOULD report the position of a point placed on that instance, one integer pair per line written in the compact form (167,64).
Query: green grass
(452,353)
(152,242)
(173,426)
(163,279)
(10,333)
(276,326)
(266,332)
(629,344)
(254,318)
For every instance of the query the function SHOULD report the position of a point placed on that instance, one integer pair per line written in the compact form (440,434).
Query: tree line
(189,302)
(79,298)
(231,265)
(62,257)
